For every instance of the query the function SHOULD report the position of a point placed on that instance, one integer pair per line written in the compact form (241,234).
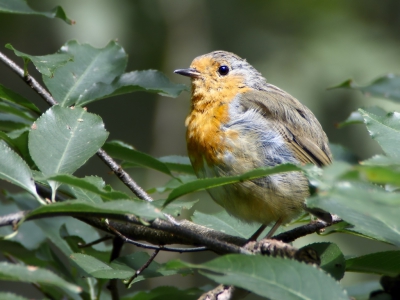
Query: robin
(239,122)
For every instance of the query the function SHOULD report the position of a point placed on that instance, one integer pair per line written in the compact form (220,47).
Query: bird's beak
(192,73)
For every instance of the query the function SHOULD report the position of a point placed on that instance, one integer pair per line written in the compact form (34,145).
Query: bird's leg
(256,234)
(273,229)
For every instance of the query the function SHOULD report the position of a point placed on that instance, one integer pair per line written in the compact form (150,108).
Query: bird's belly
(263,200)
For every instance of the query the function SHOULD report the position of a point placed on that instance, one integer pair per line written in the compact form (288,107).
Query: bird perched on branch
(239,122)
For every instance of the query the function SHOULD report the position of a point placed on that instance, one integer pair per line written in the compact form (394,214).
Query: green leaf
(16,171)
(63,139)
(85,195)
(385,130)
(11,296)
(22,7)
(31,274)
(225,223)
(173,183)
(165,292)
(12,97)
(17,111)
(71,82)
(208,183)
(122,151)
(356,117)
(387,87)
(88,188)
(45,64)
(383,263)
(151,81)
(271,277)
(98,269)
(118,207)
(373,211)
(341,153)
(332,259)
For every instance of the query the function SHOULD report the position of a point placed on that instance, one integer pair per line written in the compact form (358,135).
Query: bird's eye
(223,70)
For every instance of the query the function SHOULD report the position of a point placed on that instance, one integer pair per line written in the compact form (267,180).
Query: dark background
(303,47)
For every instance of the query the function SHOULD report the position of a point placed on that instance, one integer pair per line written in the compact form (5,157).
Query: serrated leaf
(271,277)
(32,274)
(98,269)
(45,64)
(383,263)
(63,139)
(91,65)
(385,130)
(22,7)
(387,87)
(12,97)
(373,211)
(151,81)
(208,183)
(356,117)
(84,184)
(332,259)
(15,170)
(125,152)
(118,207)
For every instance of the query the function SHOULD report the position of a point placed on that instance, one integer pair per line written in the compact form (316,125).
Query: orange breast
(210,109)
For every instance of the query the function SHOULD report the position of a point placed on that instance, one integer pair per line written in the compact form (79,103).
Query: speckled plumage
(239,122)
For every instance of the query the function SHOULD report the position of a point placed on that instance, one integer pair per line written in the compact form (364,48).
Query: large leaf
(31,274)
(208,183)
(90,66)
(373,211)
(151,81)
(177,163)
(22,7)
(45,64)
(15,170)
(272,277)
(357,118)
(118,207)
(12,97)
(385,87)
(383,263)
(385,130)
(63,139)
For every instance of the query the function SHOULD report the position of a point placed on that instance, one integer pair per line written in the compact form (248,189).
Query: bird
(239,122)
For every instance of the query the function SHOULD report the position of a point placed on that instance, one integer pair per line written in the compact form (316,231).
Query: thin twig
(95,242)
(28,79)
(142,268)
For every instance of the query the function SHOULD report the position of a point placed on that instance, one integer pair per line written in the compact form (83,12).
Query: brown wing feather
(294,121)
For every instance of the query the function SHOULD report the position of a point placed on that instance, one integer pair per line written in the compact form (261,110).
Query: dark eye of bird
(223,70)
